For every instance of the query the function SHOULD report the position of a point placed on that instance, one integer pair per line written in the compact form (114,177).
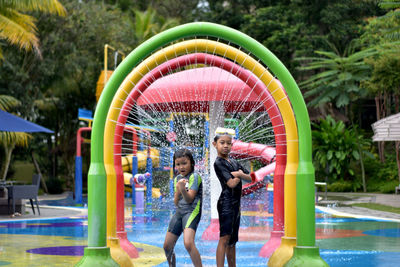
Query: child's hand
(180,185)
(237,174)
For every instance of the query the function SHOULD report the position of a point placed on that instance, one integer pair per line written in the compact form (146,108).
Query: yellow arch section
(208,46)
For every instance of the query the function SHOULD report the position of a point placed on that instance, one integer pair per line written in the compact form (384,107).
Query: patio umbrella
(12,123)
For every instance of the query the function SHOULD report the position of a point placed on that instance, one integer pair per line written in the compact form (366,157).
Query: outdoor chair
(25,192)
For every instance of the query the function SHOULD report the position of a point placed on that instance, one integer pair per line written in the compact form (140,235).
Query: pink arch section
(264,97)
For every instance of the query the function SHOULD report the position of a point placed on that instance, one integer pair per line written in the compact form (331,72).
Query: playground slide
(265,154)
(142,158)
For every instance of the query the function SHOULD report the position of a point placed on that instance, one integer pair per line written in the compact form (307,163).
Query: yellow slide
(142,157)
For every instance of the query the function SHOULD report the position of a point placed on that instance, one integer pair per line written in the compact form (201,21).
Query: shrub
(337,149)
(388,187)
(341,186)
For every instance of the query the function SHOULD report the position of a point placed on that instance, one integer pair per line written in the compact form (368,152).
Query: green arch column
(305,252)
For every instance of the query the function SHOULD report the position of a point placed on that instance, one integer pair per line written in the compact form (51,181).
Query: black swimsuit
(228,205)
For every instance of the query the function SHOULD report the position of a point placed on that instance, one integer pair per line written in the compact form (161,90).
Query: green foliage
(148,23)
(256,128)
(385,76)
(335,148)
(341,186)
(282,30)
(382,172)
(393,16)
(389,187)
(19,28)
(184,10)
(52,89)
(338,76)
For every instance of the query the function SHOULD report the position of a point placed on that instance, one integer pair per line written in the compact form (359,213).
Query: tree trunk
(361,160)
(40,173)
(362,170)
(378,117)
(8,149)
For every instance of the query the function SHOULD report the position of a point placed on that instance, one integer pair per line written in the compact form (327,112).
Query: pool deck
(337,203)
(340,204)
(47,212)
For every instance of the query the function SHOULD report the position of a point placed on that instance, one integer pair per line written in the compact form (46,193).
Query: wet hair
(219,135)
(182,153)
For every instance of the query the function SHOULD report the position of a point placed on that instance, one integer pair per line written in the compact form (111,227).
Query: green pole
(305,173)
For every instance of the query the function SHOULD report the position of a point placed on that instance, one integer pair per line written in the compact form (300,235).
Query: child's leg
(188,241)
(221,250)
(231,255)
(169,244)
(231,245)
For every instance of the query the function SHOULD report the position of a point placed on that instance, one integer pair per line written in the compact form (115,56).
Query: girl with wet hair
(188,201)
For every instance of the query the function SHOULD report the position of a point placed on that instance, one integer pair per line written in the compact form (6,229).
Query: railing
(316,190)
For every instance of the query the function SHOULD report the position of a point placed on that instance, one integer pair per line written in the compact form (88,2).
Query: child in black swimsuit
(230,174)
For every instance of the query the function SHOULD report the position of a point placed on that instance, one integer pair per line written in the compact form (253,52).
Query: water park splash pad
(102,176)
(124,90)
(221,75)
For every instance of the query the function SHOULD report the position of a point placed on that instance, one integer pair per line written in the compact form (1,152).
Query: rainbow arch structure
(285,252)
(248,78)
(298,132)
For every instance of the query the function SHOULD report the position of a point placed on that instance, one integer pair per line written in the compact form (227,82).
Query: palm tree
(393,32)
(9,140)
(338,76)
(148,23)
(18,28)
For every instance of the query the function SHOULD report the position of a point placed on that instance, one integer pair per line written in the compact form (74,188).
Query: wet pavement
(62,205)
(366,238)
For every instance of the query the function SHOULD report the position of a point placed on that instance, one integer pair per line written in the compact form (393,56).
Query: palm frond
(19,29)
(7,102)
(17,138)
(44,6)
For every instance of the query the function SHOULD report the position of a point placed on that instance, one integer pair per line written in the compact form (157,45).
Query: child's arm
(241,175)
(176,197)
(222,171)
(233,182)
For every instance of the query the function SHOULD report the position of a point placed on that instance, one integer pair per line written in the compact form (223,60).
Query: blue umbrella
(12,123)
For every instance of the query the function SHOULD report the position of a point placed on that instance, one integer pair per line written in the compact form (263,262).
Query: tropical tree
(384,33)
(337,77)
(288,34)
(52,89)
(19,28)
(148,23)
(9,140)
(392,32)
